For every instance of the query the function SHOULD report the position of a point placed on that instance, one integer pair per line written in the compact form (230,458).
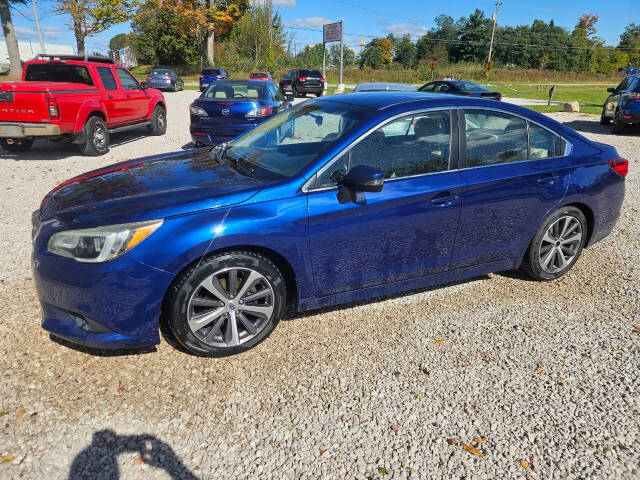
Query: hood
(148,188)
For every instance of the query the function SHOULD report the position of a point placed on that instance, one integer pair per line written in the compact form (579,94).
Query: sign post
(333,32)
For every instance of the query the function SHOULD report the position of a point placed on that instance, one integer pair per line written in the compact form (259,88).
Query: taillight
(620,165)
(219,76)
(500,98)
(54,111)
(201,76)
(322,79)
(259,112)
(197,111)
(148,78)
(302,79)
(634,96)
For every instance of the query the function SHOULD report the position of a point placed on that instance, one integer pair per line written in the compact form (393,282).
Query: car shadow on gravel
(100,459)
(591,126)
(59,150)
(100,352)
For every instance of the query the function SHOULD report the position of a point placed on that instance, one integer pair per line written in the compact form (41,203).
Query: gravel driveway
(537,380)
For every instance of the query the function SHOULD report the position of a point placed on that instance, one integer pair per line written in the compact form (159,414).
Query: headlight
(101,244)
(195,110)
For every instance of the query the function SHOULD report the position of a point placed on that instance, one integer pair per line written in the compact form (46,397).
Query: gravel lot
(541,378)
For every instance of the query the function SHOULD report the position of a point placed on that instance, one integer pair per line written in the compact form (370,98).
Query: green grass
(585,96)
(560,108)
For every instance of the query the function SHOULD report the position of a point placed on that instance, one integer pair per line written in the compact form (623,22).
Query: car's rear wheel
(158,121)
(97,137)
(16,145)
(617,126)
(227,304)
(295,92)
(557,244)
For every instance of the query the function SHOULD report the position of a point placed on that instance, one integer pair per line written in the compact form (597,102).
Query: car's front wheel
(227,304)
(604,120)
(557,244)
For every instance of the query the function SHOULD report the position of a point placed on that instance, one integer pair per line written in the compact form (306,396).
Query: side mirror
(364,178)
(143,85)
(611,90)
(289,98)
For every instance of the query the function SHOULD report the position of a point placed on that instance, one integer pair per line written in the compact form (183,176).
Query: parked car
(211,75)
(335,200)
(622,107)
(301,81)
(81,99)
(460,87)
(164,79)
(384,87)
(261,76)
(229,108)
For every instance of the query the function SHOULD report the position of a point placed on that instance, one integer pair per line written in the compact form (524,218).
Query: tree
(475,33)
(348,55)
(630,42)
(587,22)
(405,52)
(121,40)
(439,42)
(90,17)
(311,56)
(377,53)
(15,66)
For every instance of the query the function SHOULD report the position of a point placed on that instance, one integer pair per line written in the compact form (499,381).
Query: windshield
(284,145)
(469,87)
(258,75)
(234,91)
(210,72)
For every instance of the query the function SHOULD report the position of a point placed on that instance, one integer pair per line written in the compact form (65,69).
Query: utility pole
(35,16)
(493,32)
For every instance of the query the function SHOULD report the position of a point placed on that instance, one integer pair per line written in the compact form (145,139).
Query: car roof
(382,86)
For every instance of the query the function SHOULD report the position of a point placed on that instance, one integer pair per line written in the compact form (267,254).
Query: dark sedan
(164,79)
(229,108)
(460,87)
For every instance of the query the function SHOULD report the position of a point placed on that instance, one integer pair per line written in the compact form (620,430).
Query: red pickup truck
(79,98)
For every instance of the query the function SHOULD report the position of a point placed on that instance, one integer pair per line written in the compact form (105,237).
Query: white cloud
(284,3)
(48,31)
(308,22)
(403,28)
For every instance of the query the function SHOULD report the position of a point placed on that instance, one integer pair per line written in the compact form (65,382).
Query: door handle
(443,198)
(109,96)
(128,96)
(548,179)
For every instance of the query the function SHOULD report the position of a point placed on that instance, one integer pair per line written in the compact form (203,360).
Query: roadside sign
(332,32)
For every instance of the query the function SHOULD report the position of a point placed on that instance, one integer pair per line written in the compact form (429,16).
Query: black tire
(97,137)
(537,252)
(18,145)
(617,126)
(158,121)
(603,118)
(177,306)
(320,93)
(294,91)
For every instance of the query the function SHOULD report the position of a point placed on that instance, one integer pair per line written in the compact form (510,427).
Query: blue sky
(365,19)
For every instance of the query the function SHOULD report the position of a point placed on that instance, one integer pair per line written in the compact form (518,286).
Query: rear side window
(496,137)
(57,72)
(127,80)
(107,78)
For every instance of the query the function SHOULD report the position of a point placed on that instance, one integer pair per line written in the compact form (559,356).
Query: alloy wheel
(99,137)
(230,307)
(560,244)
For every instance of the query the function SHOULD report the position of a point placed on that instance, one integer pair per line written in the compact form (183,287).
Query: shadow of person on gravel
(100,459)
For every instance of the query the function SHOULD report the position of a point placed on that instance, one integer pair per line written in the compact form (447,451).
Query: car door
(514,173)
(112,95)
(360,239)
(136,101)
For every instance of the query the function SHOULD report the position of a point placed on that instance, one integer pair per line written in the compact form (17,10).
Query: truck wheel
(16,145)
(97,135)
(158,121)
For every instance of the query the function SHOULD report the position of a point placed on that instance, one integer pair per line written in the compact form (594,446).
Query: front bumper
(110,305)
(23,129)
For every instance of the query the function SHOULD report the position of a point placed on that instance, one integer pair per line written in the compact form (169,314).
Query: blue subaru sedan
(337,199)
(229,108)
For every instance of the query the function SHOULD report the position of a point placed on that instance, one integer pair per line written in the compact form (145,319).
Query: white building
(29,49)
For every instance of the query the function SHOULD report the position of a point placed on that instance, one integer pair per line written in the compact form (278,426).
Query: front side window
(429,87)
(411,145)
(442,87)
(107,78)
(127,80)
(285,144)
(57,72)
